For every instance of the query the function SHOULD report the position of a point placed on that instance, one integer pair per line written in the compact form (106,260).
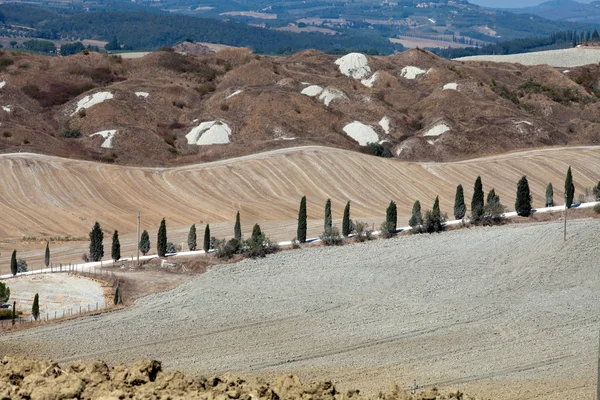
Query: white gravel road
(505,312)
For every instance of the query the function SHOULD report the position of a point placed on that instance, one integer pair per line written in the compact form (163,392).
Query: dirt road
(505,312)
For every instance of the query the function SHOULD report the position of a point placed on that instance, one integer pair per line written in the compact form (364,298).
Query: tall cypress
(523,201)
(14,312)
(161,241)
(47,255)
(237,230)
(35,308)
(145,242)
(477,200)
(301,233)
(328,221)
(192,238)
(13,263)
(416,219)
(256,233)
(569,189)
(116,247)
(549,195)
(460,209)
(346,220)
(391,215)
(206,246)
(96,246)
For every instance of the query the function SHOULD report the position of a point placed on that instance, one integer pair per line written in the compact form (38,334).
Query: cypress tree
(436,216)
(492,197)
(301,234)
(35,309)
(391,216)
(161,241)
(328,221)
(477,201)
(416,219)
(192,238)
(13,263)
(145,242)
(597,192)
(116,247)
(523,202)
(256,233)
(549,195)
(14,312)
(206,246)
(569,189)
(47,255)
(460,209)
(346,220)
(116,298)
(237,230)
(96,246)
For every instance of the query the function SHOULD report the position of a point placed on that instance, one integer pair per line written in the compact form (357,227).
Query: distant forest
(557,40)
(150,31)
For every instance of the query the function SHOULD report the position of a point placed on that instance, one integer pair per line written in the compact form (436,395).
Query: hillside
(171,109)
(567,10)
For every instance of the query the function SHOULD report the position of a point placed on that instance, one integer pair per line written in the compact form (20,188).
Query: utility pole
(138,239)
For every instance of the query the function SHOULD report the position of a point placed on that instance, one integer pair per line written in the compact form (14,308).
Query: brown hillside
(158,99)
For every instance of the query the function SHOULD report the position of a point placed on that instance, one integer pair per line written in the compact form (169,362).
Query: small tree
(477,201)
(256,233)
(21,265)
(237,230)
(4,292)
(569,189)
(416,220)
(346,221)
(192,238)
(433,221)
(14,312)
(391,215)
(117,295)
(301,234)
(47,255)
(35,308)
(115,250)
(206,246)
(161,241)
(14,268)
(328,219)
(523,202)
(597,192)
(549,195)
(492,197)
(96,246)
(145,243)
(460,209)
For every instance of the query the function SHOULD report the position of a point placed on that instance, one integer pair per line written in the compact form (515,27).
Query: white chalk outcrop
(210,132)
(330,94)
(362,133)
(91,100)
(142,94)
(370,82)
(108,136)
(410,72)
(312,91)
(385,124)
(234,94)
(354,65)
(2,84)
(7,108)
(437,130)
(451,86)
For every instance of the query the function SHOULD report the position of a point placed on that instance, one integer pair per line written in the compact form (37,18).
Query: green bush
(388,229)
(7,313)
(331,237)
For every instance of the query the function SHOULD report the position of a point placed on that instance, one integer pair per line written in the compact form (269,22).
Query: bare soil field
(502,312)
(413,42)
(567,58)
(46,196)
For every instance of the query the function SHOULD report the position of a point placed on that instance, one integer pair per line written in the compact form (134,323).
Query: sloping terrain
(171,109)
(501,313)
(46,196)
(566,58)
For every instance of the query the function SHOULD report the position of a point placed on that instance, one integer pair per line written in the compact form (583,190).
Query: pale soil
(504,312)
(47,196)
(566,58)
(412,42)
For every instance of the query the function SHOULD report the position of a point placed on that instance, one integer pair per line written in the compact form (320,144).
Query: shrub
(224,107)
(4,292)
(171,249)
(378,150)
(58,93)
(362,231)
(387,229)
(227,249)
(21,265)
(597,208)
(331,237)
(493,214)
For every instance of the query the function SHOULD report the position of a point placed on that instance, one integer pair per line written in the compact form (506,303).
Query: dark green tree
(346,221)
(4,293)
(117,294)
(145,242)
(492,197)
(237,230)
(523,202)
(460,209)
(569,189)
(256,233)
(434,221)
(206,246)
(35,308)
(192,238)
(477,201)
(14,267)
(301,233)
(416,220)
(113,44)
(161,241)
(96,246)
(14,312)
(597,192)
(549,195)
(391,216)
(328,220)
(116,247)
(47,255)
